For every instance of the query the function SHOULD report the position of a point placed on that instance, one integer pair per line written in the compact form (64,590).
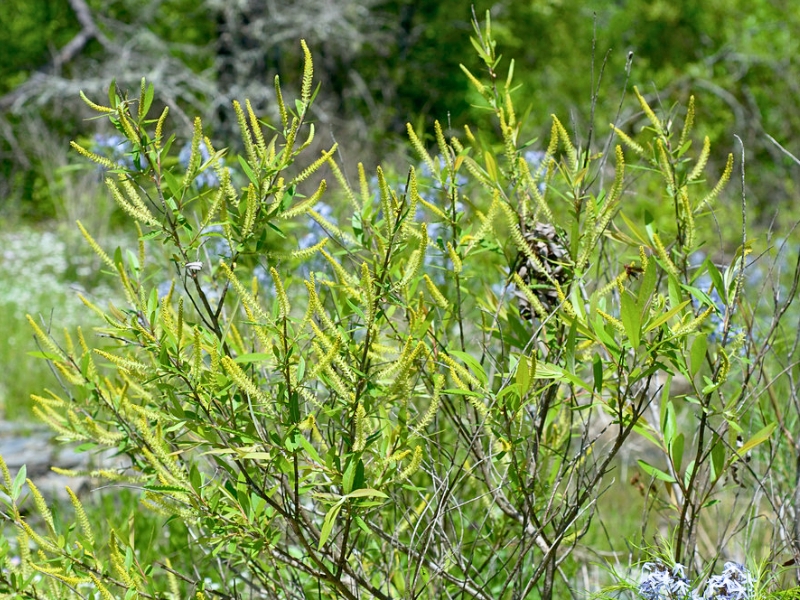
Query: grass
(42,270)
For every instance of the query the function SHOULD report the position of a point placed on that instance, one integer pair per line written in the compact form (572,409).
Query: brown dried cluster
(549,247)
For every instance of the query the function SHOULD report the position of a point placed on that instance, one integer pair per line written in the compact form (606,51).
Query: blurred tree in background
(384,63)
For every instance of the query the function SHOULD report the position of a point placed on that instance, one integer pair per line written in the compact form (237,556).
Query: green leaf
(312,452)
(669,423)
(294,407)
(45,355)
(654,472)
(256,456)
(327,524)
(195,478)
(676,451)
(631,319)
(19,481)
(491,165)
(526,372)
(349,475)
(698,354)
(667,316)
(174,185)
(716,277)
(147,101)
(366,493)
(112,94)
(248,171)
(717,458)
(597,371)
(648,286)
(638,234)
(687,476)
(760,436)
(252,357)
(460,392)
(603,336)
(167,489)
(473,365)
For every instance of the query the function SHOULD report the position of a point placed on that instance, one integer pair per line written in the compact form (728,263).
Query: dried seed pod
(550,249)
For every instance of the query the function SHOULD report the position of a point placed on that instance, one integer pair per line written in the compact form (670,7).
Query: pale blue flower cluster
(735,583)
(661,582)
(115,148)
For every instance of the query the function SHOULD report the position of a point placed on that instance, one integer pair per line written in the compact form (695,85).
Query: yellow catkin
(104,593)
(174,588)
(454,258)
(160,127)
(281,105)
(246,297)
(694,324)
(40,541)
(628,141)
(723,181)
(251,208)
(280,294)
(127,364)
(346,280)
(80,514)
(482,90)
(94,106)
(444,150)
(308,74)
(314,166)
(7,481)
(244,382)
(662,253)
(134,211)
(433,407)
(96,247)
(360,439)
(659,127)
(436,295)
(563,137)
(616,323)
(413,466)
(331,228)
(702,160)
(58,574)
(255,126)
(304,206)
(417,144)
(643,257)
(45,339)
(247,138)
(538,307)
(368,293)
(688,123)
(194,153)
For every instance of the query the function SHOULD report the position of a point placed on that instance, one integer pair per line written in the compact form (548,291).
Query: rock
(34,447)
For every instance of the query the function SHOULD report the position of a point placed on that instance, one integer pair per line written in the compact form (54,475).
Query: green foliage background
(382,64)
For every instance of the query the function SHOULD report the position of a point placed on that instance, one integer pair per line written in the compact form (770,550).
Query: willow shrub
(369,415)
